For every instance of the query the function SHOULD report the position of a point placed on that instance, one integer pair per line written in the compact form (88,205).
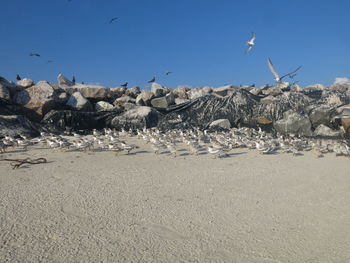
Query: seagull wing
(253,37)
(248,49)
(290,73)
(272,68)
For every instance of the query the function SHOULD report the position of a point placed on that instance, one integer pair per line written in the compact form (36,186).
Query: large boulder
(314,91)
(293,123)
(103,106)
(12,87)
(117,92)
(120,102)
(25,83)
(159,90)
(325,131)
(4,92)
(40,99)
(321,115)
(62,80)
(224,90)
(181,92)
(14,125)
(78,102)
(221,124)
(198,92)
(138,118)
(144,98)
(163,102)
(272,91)
(133,92)
(96,92)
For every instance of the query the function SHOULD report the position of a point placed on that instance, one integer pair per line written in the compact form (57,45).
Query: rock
(117,92)
(12,87)
(224,90)
(221,123)
(314,91)
(122,100)
(181,92)
(60,120)
(163,102)
(262,120)
(272,91)
(144,98)
(296,88)
(62,80)
(181,101)
(198,92)
(96,92)
(129,106)
(340,87)
(15,125)
(325,131)
(133,92)
(78,102)
(138,118)
(4,92)
(40,99)
(25,83)
(345,122)
(103,106)
(269,99)
(255,91)
(293,123)
(321,115)
(344,110)
(158,90)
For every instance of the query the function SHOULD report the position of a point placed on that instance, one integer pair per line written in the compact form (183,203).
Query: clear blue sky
(201,41)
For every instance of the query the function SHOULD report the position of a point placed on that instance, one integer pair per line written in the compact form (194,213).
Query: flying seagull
(250,43)
(168,72)
(34,55)
(18,77)
(49,61)
(113,19)
(152,80)
(277,78)
(124,85)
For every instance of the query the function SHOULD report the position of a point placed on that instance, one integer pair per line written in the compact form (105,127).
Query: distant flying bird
(124,85)
(18,77)
(274,72)
(168,72)
(49,61)
(250,43)
(73,80)
(34,55)
(113,19)
(152,80)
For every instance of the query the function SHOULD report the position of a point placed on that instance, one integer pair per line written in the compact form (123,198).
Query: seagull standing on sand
(250,43)
(277,78)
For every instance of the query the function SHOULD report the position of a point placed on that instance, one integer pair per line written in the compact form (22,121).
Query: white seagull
(277,78)
(250,43)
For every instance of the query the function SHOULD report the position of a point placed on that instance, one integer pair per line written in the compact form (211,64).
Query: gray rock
(269,99)
(158,90)
(344,111)
(93,91)
(103,106)
(180,101)
(12,87)
(321,115)
(272,91)
(255,91)
(340,87)
(144,98)
(40,99)
(117,92)
(122,100)
(129,106)
(221,123)
(25,83)
(293,123)
(325,131)
(78,102)
(133,92)
(4,92)
(138,118)
(198,92)
(14,125)
(62,80)
(222,91)
(296,88)
(181,92)
(163,102)
(345,122)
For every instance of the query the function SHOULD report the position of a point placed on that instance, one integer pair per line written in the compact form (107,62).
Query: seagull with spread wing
(250,43)
(277,78)
(34,55)
(113,19)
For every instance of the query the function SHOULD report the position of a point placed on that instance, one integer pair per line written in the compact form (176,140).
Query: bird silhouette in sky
(113,20)
(152,80)
(168,72)
(250,43)
(18,77)
(277,78)
(124,85)
(34,55)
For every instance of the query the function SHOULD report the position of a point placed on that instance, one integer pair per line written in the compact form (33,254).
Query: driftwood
(16,163)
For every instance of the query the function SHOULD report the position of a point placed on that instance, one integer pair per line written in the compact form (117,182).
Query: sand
(98,207)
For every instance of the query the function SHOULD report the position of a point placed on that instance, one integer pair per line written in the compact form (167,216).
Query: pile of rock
(311,111)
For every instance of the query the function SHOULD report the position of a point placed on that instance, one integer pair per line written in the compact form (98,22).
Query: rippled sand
(98,207)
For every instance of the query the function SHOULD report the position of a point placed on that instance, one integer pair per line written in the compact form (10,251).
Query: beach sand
(248,207)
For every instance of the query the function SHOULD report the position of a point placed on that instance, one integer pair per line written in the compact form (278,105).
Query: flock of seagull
(194,141)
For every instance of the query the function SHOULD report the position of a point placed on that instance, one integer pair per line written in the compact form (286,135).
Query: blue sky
(201,41)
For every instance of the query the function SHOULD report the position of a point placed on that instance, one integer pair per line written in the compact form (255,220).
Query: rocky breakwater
(315,110)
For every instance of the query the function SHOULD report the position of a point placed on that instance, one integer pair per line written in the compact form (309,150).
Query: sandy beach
(248,207)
